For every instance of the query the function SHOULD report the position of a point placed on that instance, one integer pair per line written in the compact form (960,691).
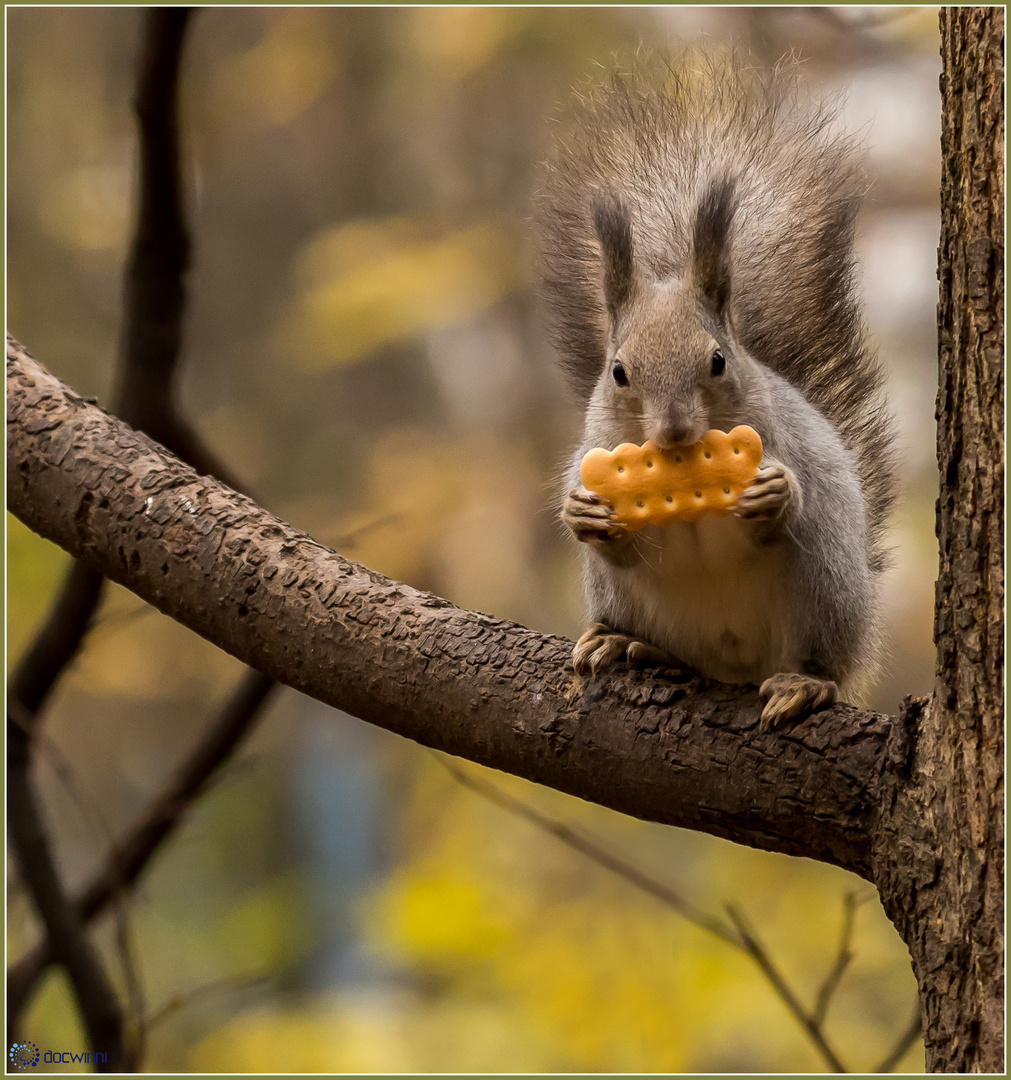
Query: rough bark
(667,748)
(939,853)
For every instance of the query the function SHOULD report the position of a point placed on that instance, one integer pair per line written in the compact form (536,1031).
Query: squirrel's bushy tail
(656,137)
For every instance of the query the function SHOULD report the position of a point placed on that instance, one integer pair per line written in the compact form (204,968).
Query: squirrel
(697,221)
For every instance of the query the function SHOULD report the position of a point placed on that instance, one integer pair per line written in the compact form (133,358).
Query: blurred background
(363,348)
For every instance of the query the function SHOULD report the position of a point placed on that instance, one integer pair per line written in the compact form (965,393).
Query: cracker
(649,486)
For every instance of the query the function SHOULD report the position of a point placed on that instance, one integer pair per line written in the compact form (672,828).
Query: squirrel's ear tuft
(614,230)
(711,247)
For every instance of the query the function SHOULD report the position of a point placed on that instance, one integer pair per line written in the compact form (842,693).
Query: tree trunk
(941,868)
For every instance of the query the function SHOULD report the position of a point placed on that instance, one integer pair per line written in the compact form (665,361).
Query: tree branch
(128,859)
(100,1009)
(154,284)
(154,303)
(658,746)
(154,299)
(155,279)
(57,642)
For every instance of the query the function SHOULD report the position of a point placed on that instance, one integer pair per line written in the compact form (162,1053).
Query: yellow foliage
(458,505)
(135,652)
(52,1020)
(278,79)
(582,981)
(600,977)
(88,208)
(260,932)
(34,572)
(457,41)
(433,918)
(369,283)
(584,976)
(370,1033)
(271,1041)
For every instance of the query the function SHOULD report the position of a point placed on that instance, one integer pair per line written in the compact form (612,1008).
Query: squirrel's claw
(589,516)
(768,495)
(600,647)
(641,653)
(789,696)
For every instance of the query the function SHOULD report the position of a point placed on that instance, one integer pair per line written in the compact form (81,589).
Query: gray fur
(656,138)
(741,204)
(711,244)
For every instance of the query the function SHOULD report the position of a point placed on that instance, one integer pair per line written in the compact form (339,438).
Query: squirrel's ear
(711,247)
(614,230)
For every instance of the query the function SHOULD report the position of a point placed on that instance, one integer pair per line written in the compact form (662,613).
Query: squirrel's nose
(669,433)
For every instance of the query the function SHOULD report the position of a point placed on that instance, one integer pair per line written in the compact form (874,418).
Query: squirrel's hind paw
(789,696)
(600,647)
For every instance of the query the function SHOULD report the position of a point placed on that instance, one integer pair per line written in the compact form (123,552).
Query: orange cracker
(648,486)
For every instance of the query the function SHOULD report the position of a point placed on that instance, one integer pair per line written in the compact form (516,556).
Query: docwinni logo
(26,1055)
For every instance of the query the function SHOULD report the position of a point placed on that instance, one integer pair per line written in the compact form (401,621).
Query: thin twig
(116,620)
(913,1031)
(664,893)
(128,859)
(347,540)
(757,951)
(734,933)
(135,997)
(165,812)
(181,1001)
(842,961)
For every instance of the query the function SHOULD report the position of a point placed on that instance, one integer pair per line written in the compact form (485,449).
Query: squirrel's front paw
(769,494)
(589,516)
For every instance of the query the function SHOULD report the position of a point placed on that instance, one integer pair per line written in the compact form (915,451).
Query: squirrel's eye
(719,363)
(618,371)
